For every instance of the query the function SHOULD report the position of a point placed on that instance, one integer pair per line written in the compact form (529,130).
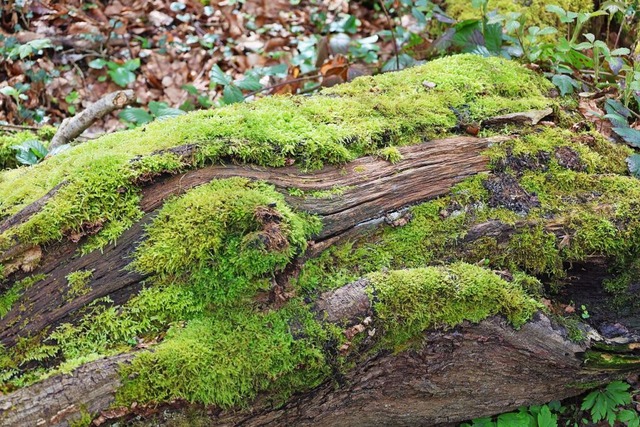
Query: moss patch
(11,295)
(223,237)
(101,192)
(230,356)
(410,301)
(77,283)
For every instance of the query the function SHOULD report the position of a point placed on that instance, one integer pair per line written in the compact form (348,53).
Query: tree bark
(460,373)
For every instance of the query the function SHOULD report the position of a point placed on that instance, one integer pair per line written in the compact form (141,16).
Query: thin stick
(300,79)
(393,33)
(19,127)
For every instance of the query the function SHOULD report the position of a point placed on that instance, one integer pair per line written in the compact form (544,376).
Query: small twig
(103,46)
(393,33)
(615,45)
(284,83)
(310,89)
(72,127)
(19,127)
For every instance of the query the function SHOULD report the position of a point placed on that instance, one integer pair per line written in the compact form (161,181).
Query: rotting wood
(374,187)
(428,385)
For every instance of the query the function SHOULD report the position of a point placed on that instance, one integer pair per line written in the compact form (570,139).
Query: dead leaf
(593,113)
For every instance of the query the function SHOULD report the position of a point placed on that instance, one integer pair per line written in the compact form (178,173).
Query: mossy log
(344,259)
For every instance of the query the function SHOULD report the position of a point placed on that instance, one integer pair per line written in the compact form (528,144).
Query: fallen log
(409,280)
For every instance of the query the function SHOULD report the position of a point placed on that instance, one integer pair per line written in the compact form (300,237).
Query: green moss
(390,154)
(84,419)
(102,176)
(223,237)
(607,360)
(534,10)
(319,194)
(410,301)
(229,357)
(77,283)
(534,251)
(11,295)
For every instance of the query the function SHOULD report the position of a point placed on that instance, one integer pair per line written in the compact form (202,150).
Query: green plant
(139,116)
(17,93)
(584,313)
(607,404)
(33,151)
(121,74)
(72,99)
(232,89)
(600,52)
(29,48)
(532,416)
(30,152)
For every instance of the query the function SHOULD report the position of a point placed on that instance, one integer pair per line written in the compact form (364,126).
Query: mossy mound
(534,10)
(226,357)
(340,124)
(410,301)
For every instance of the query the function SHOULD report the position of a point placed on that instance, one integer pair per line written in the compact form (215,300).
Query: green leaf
(30,152)
(231,94)
(249,83)
(565,83)
(601,45)
(155,107)
(218,76)
(135,115)
(629,135)
(493,38)
(122,76)
(583,46)
(403,61)
(620,51)
(514,419)
(26,158)
(599,410)
(615,106)
(589,401)
(483,422)
(617,387)
(9,91)
(546,418)
(556,9)
(98,63)
(478,4)
(463,31)
(24,50)
(191,89)
(617,392)
(35,147)
(132,64)
(167,112)
(40,44)
(616,119)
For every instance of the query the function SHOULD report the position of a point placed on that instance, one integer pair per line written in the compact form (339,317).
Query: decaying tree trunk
(451,374)
(468,371)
